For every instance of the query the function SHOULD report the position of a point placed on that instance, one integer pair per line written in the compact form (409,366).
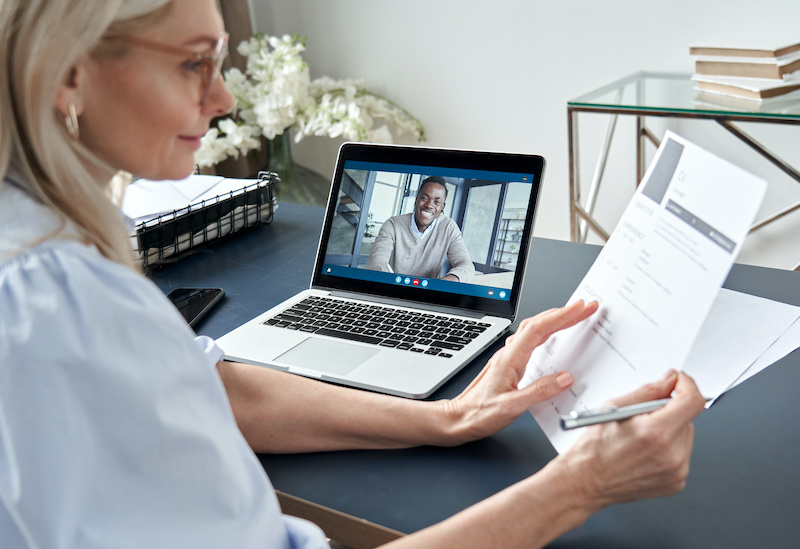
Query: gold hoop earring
(72,123)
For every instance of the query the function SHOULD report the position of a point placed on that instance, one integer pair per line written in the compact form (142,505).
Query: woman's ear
(70,94)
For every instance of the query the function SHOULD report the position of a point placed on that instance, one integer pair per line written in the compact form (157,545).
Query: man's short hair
(433,179)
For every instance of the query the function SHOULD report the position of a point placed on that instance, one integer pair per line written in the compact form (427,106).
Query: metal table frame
(609,100)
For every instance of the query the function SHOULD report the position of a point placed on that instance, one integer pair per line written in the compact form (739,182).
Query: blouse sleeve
(115,429)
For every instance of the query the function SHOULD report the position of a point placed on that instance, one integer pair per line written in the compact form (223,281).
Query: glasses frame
(211,62)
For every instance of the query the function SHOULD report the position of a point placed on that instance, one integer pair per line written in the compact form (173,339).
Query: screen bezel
(434,157)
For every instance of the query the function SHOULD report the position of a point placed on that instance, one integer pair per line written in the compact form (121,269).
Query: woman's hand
(492,401)
(641,457)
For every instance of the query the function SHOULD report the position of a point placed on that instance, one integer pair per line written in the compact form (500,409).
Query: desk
(742,491)
(672,95)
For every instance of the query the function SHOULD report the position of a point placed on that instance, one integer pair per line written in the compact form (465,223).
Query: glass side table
(645,94)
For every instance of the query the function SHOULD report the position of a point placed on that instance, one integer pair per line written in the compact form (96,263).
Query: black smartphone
(195,303)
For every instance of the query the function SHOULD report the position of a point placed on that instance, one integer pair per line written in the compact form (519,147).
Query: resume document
(655,280)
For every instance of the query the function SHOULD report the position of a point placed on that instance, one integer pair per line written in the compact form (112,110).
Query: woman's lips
(191,140)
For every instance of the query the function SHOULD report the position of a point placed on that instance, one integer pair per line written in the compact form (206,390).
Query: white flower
(380,135)
(276,93)
(241,136)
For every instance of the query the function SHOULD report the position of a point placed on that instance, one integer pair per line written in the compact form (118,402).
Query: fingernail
(564,379)
(670,375)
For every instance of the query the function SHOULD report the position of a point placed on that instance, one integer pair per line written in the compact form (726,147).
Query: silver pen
(573,420)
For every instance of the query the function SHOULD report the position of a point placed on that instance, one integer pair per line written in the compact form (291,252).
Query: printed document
(655,280)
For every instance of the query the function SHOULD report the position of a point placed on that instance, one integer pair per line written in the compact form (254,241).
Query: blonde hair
(42,40)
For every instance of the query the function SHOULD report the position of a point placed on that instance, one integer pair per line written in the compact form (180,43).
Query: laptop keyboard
(416,332)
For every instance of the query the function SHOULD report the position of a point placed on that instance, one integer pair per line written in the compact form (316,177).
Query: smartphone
(195,303)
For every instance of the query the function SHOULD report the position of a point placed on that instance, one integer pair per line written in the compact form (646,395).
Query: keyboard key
(447,345)
(289,318)
(458,340)
(347,335)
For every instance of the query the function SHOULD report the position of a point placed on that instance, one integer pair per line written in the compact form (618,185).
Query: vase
(297,184)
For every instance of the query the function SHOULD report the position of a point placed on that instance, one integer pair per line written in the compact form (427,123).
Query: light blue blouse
(115,428)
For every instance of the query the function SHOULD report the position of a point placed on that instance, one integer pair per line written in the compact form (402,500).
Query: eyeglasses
(209,63)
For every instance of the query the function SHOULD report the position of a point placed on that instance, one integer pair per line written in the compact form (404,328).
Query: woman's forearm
(529,514)
(282,413)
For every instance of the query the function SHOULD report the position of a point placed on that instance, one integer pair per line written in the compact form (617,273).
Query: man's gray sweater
(397,250)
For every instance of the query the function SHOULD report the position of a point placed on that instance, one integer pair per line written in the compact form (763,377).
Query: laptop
(370,325)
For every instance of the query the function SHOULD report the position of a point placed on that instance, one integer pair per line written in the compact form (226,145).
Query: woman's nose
(220,100)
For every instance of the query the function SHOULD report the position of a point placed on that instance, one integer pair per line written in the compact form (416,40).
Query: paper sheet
(145,199)
(788,342)
(737,332)
(655,279)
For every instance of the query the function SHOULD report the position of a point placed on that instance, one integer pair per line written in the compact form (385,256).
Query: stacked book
(750,73)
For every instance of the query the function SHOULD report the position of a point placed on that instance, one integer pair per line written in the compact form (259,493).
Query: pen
(573,420)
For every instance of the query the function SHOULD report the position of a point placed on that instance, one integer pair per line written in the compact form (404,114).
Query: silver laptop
(381,313)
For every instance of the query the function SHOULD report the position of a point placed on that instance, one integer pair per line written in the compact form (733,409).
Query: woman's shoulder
(41,252)
(23,221)
(58,290)
(64,296)
(62,264)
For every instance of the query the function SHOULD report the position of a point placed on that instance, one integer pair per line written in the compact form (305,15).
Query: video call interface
(489,208)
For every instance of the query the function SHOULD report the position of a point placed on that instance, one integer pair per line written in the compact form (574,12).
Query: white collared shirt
(416,232)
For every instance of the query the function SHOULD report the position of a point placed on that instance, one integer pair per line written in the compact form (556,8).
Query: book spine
(728,90)
(746,93)
(747,70)
(743,52)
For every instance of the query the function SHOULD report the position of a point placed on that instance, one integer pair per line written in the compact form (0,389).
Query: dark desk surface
(744,485)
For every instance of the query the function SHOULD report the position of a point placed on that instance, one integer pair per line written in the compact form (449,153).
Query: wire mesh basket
(172,236)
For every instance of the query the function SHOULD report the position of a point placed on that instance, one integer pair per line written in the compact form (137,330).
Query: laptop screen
(436,226)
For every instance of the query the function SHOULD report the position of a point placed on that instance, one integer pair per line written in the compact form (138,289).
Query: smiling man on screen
(417,243)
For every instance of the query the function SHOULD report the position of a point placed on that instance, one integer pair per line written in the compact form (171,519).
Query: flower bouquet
(276,94)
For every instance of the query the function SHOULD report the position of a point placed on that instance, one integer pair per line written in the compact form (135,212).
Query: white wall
(497,75)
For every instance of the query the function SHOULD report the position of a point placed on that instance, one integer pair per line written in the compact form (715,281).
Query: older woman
(117,425)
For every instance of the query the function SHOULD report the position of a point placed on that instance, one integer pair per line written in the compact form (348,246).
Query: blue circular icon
(399,279)
(502,295)
(424,283)
(407,280)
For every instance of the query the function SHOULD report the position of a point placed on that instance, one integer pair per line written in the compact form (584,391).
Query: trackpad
(330,357)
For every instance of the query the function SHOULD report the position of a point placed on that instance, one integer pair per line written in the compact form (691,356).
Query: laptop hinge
(427,307)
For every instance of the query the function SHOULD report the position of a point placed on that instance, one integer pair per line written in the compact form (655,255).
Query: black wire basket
(172,236)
